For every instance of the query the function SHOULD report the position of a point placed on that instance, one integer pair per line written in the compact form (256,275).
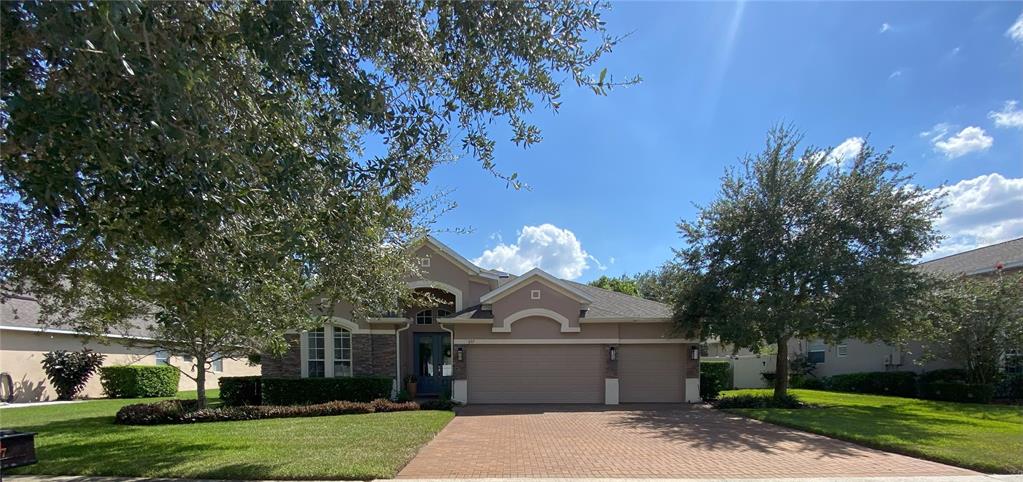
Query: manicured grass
(987,438)
(81,439)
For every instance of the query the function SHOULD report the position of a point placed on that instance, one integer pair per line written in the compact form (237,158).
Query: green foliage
(945,375)
(977,322)
(217,168)
(758,401)
(808,383)
(1010,387)
(68,372)
(900,384)
(236,391)
(187,411)
(715,376)
(621,284)
(958,392)
(139,381)
(304,391)
(797,246)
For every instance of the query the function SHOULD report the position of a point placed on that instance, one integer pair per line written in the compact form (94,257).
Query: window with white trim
(162,357)
(424,317)
(815,355)
(443,313)
(342,352)
(315,354)
(424,262)
(842,350)
(217,363)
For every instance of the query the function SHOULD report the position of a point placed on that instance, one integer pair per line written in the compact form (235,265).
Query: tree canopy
(798,245)
(219,167)
(621,284)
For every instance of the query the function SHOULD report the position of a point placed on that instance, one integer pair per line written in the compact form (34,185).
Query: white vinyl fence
(746,369)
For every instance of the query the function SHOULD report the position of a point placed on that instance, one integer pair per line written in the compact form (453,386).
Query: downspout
(397,357)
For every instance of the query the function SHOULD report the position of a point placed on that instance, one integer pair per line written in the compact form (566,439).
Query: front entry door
(432,362)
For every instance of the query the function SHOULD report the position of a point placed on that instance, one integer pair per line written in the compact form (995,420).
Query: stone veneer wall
(287,366)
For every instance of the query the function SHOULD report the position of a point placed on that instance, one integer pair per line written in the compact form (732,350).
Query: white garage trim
(544,312)
(440,285)
(610,391)
(568,341)
(460,391)
(693,390)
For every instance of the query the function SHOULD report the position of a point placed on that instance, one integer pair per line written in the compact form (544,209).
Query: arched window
(342,352)
(441,313)
(424,317)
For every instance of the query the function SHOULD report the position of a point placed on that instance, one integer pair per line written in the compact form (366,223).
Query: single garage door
(535,374)
(651,373)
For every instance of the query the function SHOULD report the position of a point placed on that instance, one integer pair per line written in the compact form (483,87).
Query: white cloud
(897,73)
(885,27)
(970,139)
(1010,115)
(548,247)
(1015,32)
(846,151)
(981,211)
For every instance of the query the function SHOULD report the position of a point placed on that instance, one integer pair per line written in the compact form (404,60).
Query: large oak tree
(800,245)
(218,167)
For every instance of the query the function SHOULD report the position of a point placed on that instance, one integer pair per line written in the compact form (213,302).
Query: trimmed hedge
(237,391)
(958,392)
(1010,387)
(899,384)
(184,411)
(945,375)
(306,391)
(715,376)
(139,381)
(758,401)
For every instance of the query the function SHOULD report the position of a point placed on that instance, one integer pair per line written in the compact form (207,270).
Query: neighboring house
(852,356)
(23,341)
(497,338)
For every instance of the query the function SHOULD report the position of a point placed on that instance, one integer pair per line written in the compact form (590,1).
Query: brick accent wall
(374,355)
(610,366)
(286,366)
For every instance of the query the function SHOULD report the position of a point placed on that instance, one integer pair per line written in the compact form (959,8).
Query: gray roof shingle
(980,260)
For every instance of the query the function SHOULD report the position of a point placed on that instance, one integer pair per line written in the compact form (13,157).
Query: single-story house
(23,342)
(498,338)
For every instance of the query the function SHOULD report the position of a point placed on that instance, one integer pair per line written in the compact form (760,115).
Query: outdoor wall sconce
(694,353)
(613,353)
(461,354)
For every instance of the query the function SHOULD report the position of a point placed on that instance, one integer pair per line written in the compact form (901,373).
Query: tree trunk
(200,381)
(781,369)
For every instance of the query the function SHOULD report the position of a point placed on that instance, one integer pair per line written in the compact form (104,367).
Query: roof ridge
(971,250)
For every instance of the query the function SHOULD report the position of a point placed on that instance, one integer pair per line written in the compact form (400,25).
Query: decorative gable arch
(440,285)
(542,312)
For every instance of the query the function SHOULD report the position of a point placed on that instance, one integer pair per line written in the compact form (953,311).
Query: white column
(693,390)
(610,391)
(460,391)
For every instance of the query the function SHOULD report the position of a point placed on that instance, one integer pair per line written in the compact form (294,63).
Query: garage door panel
(535,374)
(651,373)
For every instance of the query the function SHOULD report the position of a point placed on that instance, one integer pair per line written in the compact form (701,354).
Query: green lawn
(987,438)
(81,439)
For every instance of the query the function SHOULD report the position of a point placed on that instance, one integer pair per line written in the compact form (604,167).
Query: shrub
(758,401)
(69,371)
(184,411)
(945,375)
(901,384)
(958,392)
(305,391)
(439,404)
(809,383)
(715,376)
(139,381)
(1010,387)
(236,391)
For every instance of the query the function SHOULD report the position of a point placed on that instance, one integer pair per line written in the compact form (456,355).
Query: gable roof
(979,260)
(612,305)
(538,275)
(457,259)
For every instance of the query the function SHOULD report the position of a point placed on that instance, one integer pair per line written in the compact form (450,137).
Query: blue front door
(432,362)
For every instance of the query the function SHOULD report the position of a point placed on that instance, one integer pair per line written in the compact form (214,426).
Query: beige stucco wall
(867,357)
(21,354)
(539,327)
(550,298)
(445,271)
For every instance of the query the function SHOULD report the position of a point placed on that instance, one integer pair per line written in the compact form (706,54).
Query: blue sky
(614,174)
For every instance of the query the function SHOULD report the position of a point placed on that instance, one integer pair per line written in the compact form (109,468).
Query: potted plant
(410,385)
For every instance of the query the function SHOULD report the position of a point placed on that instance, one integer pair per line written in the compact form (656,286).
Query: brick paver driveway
(643,441)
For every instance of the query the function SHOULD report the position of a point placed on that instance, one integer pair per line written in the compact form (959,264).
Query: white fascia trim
(542,276)
(392,321)
(569,341)
(624,320)
(544,312)
(458,259)
(72,332)
(354,327)
(477,321)
(440,285)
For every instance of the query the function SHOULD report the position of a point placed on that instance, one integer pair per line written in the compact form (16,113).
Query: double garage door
(573,373)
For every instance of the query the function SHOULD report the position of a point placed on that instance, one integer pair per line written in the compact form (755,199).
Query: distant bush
(958,392)
(715,376)
(237,391)
(304,391)
(438,404)
(899,384)
(139,381)
(758,401)
(69,371)
(945,375)
(184,411)
(809,383)
(1010,387)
